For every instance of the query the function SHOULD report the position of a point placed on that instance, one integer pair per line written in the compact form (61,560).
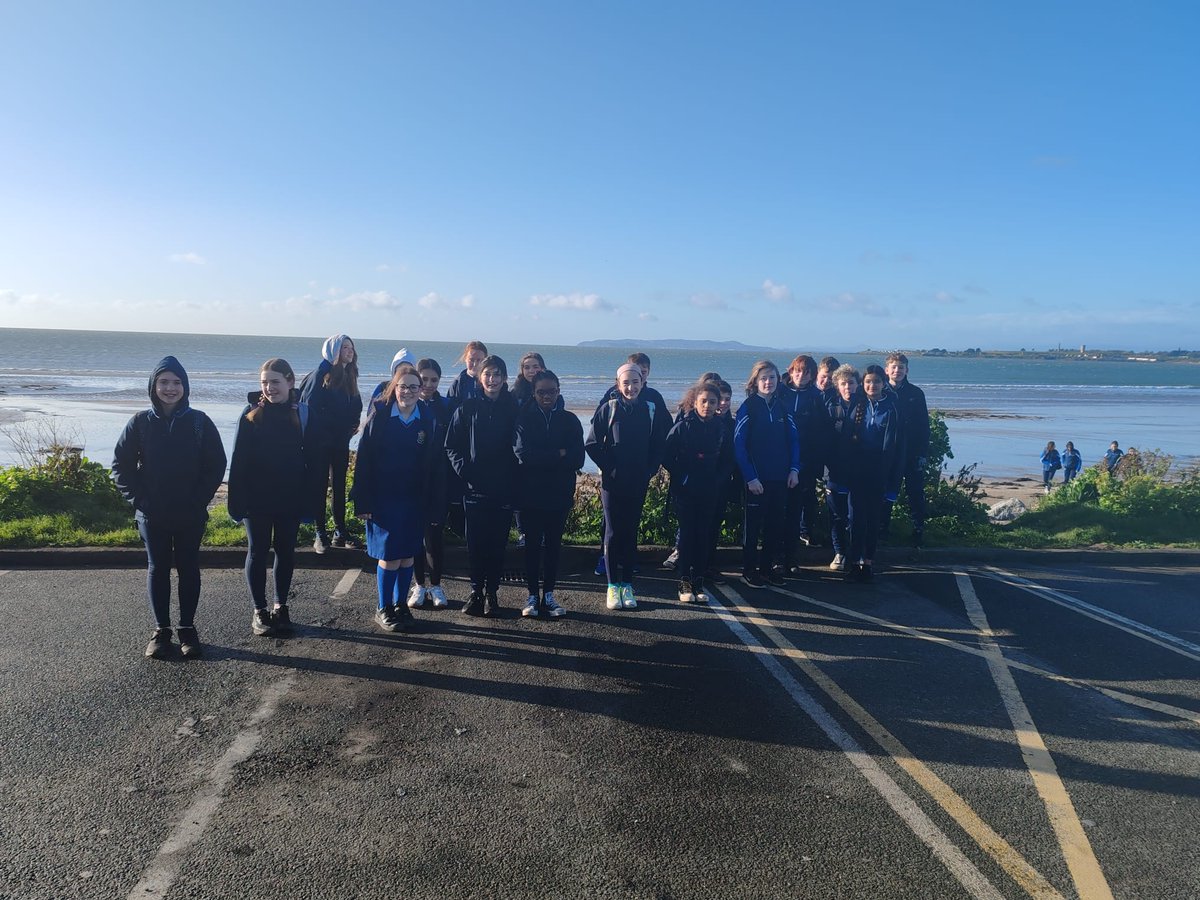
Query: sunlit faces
(347,355)
(822,380)
(430,380)
(873,386)
(707,403)
(275,386)
(767,381)
(630,385)
(847,386)
(726,402)
(529,368)
(896,371)
(800,376)
(168,388)
(546,394)
(407,390)
(492,381)
(472,360)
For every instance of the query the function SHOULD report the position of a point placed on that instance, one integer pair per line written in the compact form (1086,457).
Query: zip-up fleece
(546,477)
(626,442)
(479,445)
(806,406)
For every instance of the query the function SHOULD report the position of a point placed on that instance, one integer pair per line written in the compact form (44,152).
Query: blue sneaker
(600,569)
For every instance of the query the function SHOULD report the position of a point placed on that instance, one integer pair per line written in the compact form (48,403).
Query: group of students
(1071,461)
(496,454)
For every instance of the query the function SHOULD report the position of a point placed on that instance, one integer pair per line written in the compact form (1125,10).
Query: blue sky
(813,175)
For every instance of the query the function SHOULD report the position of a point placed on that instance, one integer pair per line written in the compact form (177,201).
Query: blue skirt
(396,530)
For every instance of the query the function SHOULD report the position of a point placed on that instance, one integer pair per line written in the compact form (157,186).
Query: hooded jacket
(626,442)
(169,466)
(267,472)
(479,445)
(914,418)
(546,477)
(699,455)
(334,415)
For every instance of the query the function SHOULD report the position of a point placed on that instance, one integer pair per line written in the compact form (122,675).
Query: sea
(1000,412)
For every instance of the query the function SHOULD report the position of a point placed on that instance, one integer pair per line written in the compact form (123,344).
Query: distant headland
(675,345)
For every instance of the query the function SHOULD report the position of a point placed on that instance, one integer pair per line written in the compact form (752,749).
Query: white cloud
(946,297)
(848,301)
(648,317)
(191,258)
(12,298)
(776,293)
(383,267)
(707,301)
(584,302)
(434,300)
(360,301)
(364,300)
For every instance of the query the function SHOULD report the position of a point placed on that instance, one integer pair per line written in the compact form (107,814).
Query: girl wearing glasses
(395,476)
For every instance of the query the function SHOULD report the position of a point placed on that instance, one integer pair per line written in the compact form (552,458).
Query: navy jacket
(806,406)
(1051,461)
(914,418)
(395,461)
(169,467)
(267,472)
(859,458)
(764,439)
(546,476)
(479,445)
(1072,461)
(333,415)
(699,455)
(626,442)
(462,388)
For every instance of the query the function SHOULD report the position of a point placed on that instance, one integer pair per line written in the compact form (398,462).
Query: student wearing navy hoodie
(335,408)
(840,408)
(395,475)
(267,477)
(429,564)
(806,406)
(479,445)
(549,448)
(768,454)
(462,388)
(625,441)
(914,420)
(699,455)
(168,463)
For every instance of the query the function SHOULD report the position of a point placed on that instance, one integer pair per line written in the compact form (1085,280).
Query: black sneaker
(160,644)
(865,574)
(474,604)
(795,571)
(321,542)
(404,618)
(807,541)
(753,579)
(850,573)
(492,605)
(189,643)
(341,539)
(281,619)
(776,576)
(714,576)
(386,618)
(261,624)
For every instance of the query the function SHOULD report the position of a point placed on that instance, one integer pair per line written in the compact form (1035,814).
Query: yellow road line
(1166,709)
(1007,856)
(1077,849)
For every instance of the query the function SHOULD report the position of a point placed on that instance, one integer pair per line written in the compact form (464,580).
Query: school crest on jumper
(420,437)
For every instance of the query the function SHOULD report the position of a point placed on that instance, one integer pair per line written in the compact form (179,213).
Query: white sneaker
(702,597)
(416,595)
(613,600)
(552,608)
(839,563)
(437,596)
(628,601)
(686,594)
(530,609)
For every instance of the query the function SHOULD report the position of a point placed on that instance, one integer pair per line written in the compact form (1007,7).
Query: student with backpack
(168,463)
(267,477)
(1051,463)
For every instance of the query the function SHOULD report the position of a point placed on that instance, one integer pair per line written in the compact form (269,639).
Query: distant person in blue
(168,463)
(914,420)
(625,442)
(549,448)
(1051,463)
(267,480)
(396,471)
(335,408)
(1072,462)
(767,449)
(1112,456)
(428,565)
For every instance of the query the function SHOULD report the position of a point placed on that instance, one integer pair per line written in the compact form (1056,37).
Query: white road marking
(972,880)
(347,582)
(160,875)
(1076,848)
(1099,613)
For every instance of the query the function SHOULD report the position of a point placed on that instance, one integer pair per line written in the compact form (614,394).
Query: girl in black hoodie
(266,489)
(168,463)
(479,445)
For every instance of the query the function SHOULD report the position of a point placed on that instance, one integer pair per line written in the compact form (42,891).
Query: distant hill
(640,344)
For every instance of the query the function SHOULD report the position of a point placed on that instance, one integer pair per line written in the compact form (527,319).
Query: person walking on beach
(335,408)
(1051,463)
(914,419)
(396,474)
(479,445)
(549,448)
(267,477)
(699,456)
(625,442)
(768,454)
(1072,462)
(1112,456)
(429,564)
(168,463)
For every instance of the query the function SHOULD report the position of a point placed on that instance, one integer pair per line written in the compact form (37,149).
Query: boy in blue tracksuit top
(699,456)
(1072,462)
(806,405)
(767,448)
(625,442)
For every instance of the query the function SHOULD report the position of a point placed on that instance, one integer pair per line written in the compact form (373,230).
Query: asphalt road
(946,732)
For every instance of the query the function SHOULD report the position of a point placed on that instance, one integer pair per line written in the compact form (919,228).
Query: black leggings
(261,533)
(331,462)
(431,560)
(542,525)
(696,511)
(165,546)
(487,535)
(622,516)
(765,517)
